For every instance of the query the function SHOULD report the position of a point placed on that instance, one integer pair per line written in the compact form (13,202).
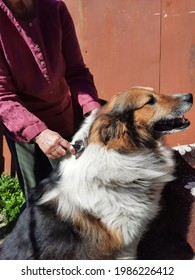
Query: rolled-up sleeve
(20,124)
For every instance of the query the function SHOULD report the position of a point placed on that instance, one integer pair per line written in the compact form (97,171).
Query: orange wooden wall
(139,42)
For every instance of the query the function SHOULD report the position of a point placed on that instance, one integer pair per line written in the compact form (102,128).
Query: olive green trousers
(31,164)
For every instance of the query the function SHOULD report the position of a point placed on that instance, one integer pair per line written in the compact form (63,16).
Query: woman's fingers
(52,144)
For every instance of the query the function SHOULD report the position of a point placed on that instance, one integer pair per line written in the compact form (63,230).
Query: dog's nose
(188,97)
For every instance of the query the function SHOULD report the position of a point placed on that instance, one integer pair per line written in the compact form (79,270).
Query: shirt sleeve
(78,76)
(21,125)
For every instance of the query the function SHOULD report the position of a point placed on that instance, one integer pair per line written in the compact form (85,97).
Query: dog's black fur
(41,234)
(168,232)
(38,227)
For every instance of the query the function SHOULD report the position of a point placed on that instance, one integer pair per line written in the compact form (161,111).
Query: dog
(99,204)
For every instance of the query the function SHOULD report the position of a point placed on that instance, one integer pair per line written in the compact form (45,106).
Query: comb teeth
(78,146)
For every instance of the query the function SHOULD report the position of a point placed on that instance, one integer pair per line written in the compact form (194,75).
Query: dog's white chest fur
(103,201)
(122,191)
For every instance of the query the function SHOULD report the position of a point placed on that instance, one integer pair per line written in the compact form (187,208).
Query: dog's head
(138,118)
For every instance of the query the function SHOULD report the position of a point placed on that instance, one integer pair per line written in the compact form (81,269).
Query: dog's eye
(151,101)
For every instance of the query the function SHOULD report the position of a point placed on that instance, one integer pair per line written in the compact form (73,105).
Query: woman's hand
(52,144)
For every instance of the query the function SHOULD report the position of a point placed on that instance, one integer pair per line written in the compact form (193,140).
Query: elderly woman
(42,76)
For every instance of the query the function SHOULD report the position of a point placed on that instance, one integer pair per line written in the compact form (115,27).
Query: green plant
(11,198)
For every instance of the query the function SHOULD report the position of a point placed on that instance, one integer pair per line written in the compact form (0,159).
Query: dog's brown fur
(99,206)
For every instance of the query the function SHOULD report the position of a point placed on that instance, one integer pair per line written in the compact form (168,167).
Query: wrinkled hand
(52,144)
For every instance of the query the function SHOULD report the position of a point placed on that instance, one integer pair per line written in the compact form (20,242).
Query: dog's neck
(91,186)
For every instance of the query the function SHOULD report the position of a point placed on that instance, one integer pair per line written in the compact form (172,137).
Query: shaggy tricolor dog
(98,205)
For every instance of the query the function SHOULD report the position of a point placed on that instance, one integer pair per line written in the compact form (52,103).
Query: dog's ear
(115,122)
(123,112)
(111,128)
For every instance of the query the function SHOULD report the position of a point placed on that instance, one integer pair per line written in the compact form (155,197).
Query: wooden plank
(177,70)
(120,41)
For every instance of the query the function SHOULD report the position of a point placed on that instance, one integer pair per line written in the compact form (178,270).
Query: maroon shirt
(40,64)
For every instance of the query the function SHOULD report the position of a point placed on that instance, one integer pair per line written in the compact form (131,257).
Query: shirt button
(36,46)
(47,77)
(30,24)
(42,62)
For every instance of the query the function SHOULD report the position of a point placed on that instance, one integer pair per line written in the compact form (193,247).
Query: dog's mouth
(168,126)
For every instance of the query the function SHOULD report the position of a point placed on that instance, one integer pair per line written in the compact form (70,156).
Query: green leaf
(11,198)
